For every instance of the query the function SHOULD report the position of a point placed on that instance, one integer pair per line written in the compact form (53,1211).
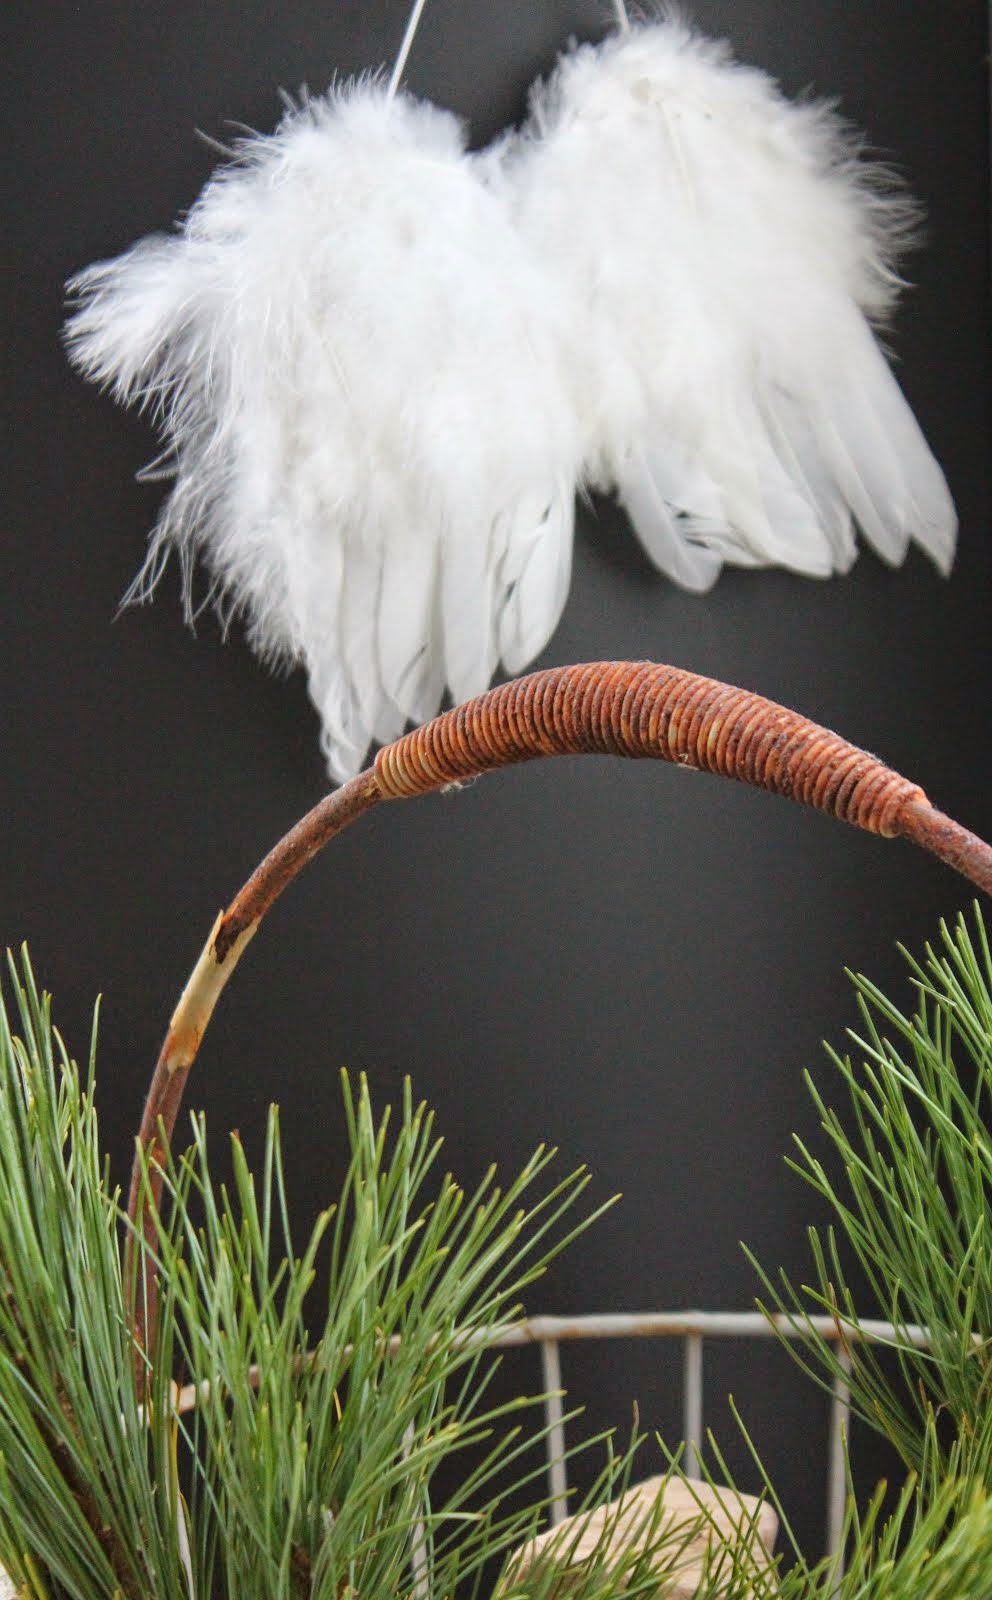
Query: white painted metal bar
(645,1324)
(418,1540)
(692,1327)
(419,1563)
(710,1324)
(840,1412)
(692,1402)
(557,1477)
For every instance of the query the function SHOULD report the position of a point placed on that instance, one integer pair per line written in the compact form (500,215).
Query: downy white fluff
(721,254)
(350,355)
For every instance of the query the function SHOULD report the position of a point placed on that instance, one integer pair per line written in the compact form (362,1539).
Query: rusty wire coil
(643,709)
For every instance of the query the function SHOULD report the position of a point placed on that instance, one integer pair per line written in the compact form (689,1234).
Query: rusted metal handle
(621,708)
(642,709)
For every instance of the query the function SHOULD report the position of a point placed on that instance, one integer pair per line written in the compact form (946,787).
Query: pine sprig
(79,1496)
(322,1450)
(310,1460)
(914,1209)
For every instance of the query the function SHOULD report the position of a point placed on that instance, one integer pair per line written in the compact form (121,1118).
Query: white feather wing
(350,351)
(722,252)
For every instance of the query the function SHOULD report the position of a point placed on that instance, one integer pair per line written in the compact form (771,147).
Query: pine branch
(914,1207)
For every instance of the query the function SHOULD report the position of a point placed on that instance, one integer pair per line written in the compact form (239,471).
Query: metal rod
(840,1406)
(692,1402)
(709,1324)
(646,1325)
(419,1564)
(557,1478)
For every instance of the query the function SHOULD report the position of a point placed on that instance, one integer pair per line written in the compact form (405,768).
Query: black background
(632,962)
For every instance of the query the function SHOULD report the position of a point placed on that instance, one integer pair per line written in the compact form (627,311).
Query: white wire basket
(694,1329)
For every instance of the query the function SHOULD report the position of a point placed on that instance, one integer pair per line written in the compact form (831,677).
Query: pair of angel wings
(381,366)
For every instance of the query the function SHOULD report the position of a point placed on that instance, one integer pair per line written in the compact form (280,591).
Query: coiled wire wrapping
(646,710)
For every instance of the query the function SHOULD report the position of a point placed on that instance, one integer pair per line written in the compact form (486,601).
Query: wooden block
(681,1565)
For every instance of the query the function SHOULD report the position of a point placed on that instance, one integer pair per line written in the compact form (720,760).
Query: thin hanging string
(399,67)
(413,23)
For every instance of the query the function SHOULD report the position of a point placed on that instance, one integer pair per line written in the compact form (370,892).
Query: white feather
(658,501)
(351,354)
(535,574)
(722,252)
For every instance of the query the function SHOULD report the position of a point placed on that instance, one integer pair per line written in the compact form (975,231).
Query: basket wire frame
(693,1328)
